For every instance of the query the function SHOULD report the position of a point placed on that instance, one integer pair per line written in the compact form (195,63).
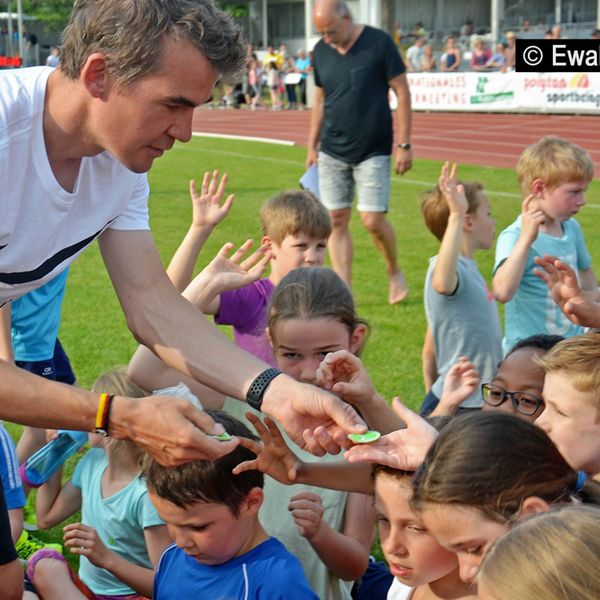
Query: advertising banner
(506,92)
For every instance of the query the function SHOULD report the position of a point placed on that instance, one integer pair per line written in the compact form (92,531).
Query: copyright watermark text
(557,55)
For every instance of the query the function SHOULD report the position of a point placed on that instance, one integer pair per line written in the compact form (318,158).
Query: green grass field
(93,329)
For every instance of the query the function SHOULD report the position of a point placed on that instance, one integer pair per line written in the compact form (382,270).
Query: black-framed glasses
(523,403)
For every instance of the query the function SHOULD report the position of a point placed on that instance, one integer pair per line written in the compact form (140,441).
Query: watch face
(404,146)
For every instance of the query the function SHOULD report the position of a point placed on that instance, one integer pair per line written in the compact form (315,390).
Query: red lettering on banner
(10,61)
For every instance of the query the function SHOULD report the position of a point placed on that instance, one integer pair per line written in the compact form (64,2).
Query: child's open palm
(207,207)
(225,272)
(453,192)
(273,456)
(404,449)
(577,305)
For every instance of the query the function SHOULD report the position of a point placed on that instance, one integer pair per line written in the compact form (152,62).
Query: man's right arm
(316,122)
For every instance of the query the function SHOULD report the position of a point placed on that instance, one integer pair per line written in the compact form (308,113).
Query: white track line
(394,180)
(245,138)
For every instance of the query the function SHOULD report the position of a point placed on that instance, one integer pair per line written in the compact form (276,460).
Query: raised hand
(404,449)
(225,273)
(460,382)
(453,192)
(207,207)
(578,306)
(273,456)
(307,512)
(532,216)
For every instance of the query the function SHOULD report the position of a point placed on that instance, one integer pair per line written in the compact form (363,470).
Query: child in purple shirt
(295,228)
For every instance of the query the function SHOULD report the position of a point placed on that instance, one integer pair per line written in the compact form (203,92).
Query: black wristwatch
(258,387)
(405,146)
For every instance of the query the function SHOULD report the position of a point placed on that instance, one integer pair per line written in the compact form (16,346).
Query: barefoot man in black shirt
(351,132)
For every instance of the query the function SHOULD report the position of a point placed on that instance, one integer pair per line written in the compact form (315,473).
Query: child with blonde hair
(572,398)
(553,175)
(554,555)
(120,537)
(462,318)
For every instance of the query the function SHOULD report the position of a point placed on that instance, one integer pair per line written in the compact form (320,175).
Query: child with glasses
(517,386)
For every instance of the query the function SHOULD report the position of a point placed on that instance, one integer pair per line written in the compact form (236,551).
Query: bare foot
(398,288)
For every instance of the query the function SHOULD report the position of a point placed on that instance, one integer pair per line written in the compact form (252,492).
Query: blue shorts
(58,368)
(338,179)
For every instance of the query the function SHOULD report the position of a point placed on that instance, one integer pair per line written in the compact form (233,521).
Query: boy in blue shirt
(553,175)
(220,549)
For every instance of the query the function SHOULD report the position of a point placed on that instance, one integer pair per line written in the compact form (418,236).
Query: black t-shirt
(357,121)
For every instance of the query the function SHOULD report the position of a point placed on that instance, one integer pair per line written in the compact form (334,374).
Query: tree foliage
(53,13)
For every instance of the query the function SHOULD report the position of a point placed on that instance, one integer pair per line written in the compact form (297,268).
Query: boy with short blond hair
(572,396)
(553,174)
(220,549)
(462,319)
(292,212)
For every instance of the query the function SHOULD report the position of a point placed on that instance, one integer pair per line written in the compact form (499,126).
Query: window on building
(286,20)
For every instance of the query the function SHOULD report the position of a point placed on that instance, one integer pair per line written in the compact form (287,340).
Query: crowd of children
(490,494)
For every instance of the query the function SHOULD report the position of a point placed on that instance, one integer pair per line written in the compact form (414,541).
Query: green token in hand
(364,438)
(222,437)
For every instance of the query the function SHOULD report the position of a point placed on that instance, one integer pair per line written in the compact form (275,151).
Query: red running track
(493,140)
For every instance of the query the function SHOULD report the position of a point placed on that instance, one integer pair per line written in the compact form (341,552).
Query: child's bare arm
(274,458)
(208,212)
(55,503)
(85,541)
(430,372)
(508,275)
(344,374)
(445,278)
(346,552)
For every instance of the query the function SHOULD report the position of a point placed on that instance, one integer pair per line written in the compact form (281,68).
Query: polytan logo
(580,81)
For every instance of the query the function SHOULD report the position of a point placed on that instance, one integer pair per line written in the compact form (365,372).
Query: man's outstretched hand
(314,418)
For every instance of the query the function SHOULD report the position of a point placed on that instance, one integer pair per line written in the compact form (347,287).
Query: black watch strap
(258,387)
